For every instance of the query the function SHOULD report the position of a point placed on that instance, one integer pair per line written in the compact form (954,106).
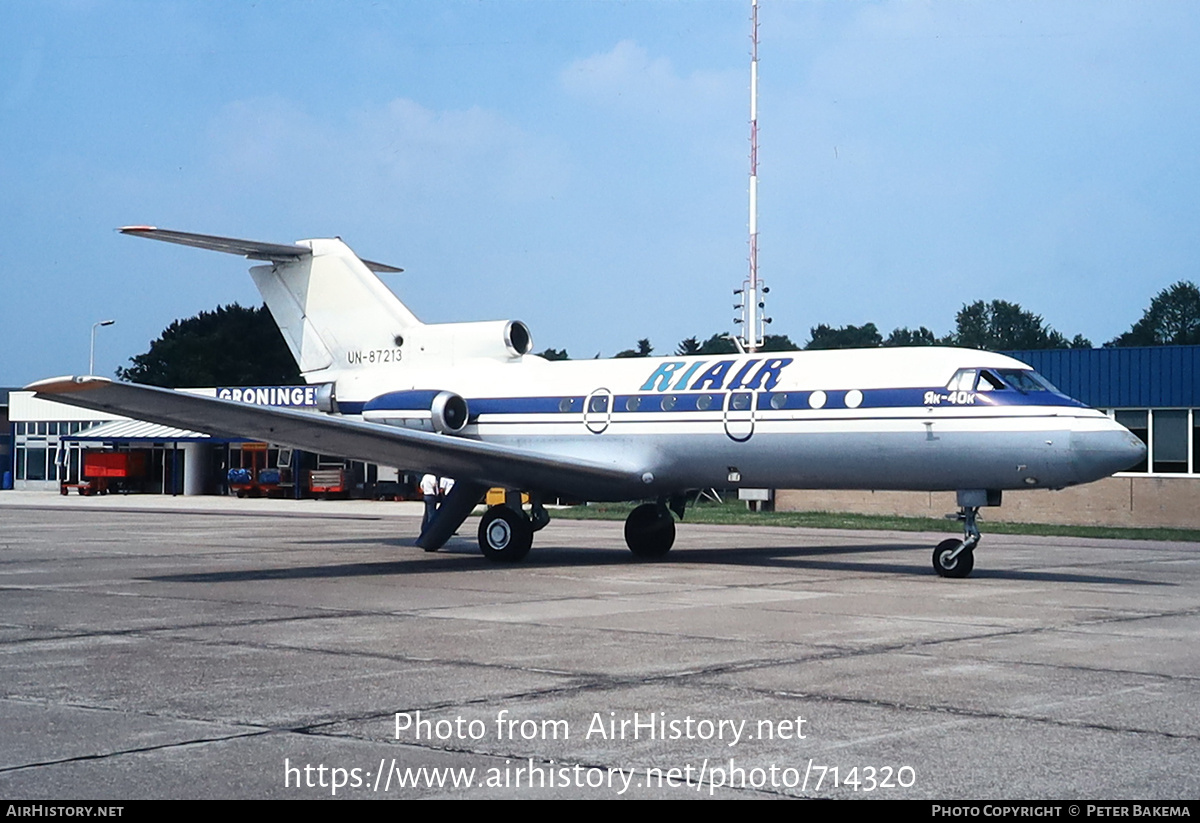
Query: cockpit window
(989,382)
(963,380)
(984,380)
(1026,380)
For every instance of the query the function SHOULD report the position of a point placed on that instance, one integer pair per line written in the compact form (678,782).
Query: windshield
(1026,380)
(985,380)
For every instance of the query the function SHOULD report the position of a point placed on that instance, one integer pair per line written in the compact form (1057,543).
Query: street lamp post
(92,354)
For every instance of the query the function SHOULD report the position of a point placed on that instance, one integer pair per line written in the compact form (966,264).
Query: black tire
(649,531)
(960,566)
(505,535)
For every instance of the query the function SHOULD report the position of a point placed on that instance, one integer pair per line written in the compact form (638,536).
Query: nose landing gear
(956,558)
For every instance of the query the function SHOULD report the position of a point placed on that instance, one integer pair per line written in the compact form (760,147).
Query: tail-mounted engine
(429,410)
(495,339)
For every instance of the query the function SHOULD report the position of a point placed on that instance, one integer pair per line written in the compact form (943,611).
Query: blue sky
(582,166)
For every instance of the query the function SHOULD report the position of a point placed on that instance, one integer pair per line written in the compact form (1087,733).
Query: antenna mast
(752,290)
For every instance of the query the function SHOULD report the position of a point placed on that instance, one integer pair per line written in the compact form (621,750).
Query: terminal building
(56,447)
(1153,391)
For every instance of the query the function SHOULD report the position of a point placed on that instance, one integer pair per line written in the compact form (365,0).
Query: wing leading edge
(457,457)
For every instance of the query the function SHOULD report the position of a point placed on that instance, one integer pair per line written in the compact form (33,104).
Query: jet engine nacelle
(493,339)
(440,411)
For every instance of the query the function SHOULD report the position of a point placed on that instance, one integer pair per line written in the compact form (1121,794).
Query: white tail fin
(333,311)
(336,315)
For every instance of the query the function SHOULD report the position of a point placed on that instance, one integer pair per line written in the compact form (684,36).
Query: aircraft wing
(445,455)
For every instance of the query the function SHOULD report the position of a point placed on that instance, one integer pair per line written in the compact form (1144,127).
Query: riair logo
(749,374)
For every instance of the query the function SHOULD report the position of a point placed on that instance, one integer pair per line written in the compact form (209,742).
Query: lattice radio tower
(753,291)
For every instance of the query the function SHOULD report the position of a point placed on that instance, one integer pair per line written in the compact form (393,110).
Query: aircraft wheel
(505,535)
(946,566)
(649,531)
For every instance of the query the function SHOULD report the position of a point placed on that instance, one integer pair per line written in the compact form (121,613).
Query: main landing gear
(505,535)
(506,532)
(650,531)
(954,557)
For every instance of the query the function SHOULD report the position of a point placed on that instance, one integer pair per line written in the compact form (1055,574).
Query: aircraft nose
(1110,449)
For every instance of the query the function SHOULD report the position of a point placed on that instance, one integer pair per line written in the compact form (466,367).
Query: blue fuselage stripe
(648,403)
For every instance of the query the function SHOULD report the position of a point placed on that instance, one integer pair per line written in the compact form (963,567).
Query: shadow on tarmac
(462,556)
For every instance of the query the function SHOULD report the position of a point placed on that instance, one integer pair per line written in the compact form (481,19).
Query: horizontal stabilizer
(457,457)
(250,249)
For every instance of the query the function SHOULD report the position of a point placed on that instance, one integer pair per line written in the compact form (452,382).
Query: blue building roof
(1122,378)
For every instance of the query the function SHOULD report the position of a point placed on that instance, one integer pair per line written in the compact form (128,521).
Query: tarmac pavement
(157,647)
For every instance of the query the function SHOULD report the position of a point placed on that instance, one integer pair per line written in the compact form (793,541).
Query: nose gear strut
(956,558)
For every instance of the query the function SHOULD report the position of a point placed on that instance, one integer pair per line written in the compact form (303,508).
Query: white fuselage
(905,418)
(866,418)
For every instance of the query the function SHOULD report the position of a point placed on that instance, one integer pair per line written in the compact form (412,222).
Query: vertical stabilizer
(333,311)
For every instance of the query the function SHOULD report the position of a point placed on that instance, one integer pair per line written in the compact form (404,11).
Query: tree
(844,337)
(778,342)
(230,346)
(554,354)
(1173,319)
(1002,325)
(910,337)
(718,344)
(721,344)
(643,349)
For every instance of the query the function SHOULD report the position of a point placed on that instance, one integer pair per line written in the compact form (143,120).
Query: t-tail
(337,316)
